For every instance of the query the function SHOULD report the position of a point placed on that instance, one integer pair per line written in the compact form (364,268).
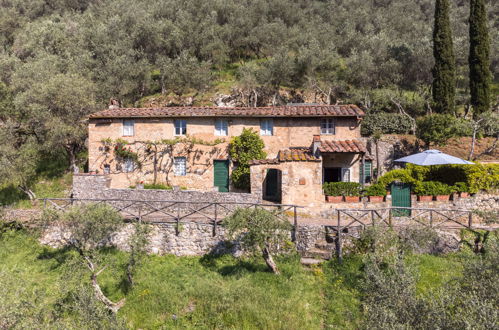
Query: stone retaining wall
(193,239)
(93,186)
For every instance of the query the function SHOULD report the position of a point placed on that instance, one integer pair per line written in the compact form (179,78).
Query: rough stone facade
(301,182)
(287,132)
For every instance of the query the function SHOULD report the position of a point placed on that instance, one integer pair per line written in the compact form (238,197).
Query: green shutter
(221,175)
(366,172)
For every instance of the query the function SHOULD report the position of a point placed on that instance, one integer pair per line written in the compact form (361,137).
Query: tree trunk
(378,163)
(473,141)
(112,306)
(28,191)
(72,159)
(155,164)
(270,261)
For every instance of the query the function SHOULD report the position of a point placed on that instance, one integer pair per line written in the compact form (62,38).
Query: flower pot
(140,186)
(464,194)
(352,199)
(425,198)
(375,199)
(442,198)
(334,199)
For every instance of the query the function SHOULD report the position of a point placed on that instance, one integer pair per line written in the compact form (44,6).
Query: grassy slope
(208,292)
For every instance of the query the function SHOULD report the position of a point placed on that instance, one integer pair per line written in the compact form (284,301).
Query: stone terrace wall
(481,201)
(91,186)
(193,239)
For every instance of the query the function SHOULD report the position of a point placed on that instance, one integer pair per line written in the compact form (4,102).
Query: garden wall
(93,186)
(481,201)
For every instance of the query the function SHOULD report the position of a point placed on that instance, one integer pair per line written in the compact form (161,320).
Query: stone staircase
(322,251)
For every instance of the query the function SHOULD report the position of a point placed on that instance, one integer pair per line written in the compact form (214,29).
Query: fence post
(390,217)
(140,214)
(44,203)
(295,221)
(215,222)
(431,218)
(177,228)
(339,253)
(470,219)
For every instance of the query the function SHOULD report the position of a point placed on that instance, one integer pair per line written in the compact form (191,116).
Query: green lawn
(208,292)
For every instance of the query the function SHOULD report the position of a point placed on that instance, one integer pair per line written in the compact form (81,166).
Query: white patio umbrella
(433,157)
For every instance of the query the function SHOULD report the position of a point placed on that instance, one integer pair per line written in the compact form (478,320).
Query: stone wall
(193,239)
(87,186)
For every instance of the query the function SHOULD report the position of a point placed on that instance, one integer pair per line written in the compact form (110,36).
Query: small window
(345,174)
(129,165)
(221,127)
(179,166)
(328,126)
(266,127)
(180,127)
(128,127)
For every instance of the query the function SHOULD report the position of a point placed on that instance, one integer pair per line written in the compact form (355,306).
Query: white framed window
(129,165)
(179,166)
(221,127)
(180,127)
(128,127)
(328,126)
(345,174)
(267,127)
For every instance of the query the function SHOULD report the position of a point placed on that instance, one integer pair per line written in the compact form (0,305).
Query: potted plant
(376,193)
(424,191)
(442,191)
(332,192)
(351,191)
(140,185)
(463,189)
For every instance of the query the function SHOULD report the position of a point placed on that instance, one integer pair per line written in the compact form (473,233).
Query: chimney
(114,103)
(316,143)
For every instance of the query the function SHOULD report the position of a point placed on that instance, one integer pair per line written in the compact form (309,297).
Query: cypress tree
(480,76)
(444,71)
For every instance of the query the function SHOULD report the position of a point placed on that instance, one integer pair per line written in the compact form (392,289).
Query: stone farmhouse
(306,145)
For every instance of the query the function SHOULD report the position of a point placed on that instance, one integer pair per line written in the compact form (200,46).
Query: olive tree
(86,229)
(259,232)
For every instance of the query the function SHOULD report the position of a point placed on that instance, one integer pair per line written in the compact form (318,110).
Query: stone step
(317,253)
(311,261)
(323,245)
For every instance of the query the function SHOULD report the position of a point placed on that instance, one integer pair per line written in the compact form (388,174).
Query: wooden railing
(347,220)
(177,212)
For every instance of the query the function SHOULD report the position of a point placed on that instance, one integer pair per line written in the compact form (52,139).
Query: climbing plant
(242,149)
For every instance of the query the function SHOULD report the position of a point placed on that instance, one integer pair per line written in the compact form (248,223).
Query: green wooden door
(221,175)
(401,196)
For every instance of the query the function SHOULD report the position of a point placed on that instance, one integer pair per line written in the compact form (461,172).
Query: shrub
(242,149)
(402,175)
(461,187)
(386,123)
(342,189)
(158,186)
(432,188)
(376,190)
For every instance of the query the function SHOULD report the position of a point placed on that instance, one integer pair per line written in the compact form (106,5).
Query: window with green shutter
(367,171)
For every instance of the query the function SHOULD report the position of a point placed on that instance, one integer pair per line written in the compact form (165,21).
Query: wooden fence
(349,221)
(177,212)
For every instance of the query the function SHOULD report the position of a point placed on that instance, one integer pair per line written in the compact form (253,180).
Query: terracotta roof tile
(289,155)
(296,155)
(356,146)
(348,110)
